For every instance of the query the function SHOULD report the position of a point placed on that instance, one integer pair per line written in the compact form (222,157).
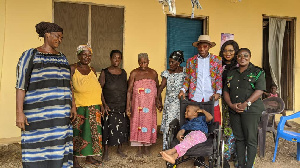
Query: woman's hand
(106,109)
(236,107)
(243,106)
(128,112)
(159,104)
(102,110)
(21,121)
(73,113)
(181,94)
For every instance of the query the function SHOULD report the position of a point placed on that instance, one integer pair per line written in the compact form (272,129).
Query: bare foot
(91,160)
(168,158)
(120,152)
(76,163)
(169,151)
(139,152)
(105,157)
(146,151)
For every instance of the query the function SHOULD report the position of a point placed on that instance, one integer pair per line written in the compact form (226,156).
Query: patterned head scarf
(177,56)
(81,48)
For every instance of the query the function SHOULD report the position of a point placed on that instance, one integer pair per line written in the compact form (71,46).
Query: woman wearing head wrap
(173,79)
(115,124)
(44,102)
(87,90)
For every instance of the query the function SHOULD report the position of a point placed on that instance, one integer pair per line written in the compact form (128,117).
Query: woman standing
(87,93)
(242,92)
(115,124)
(44,102)
(172,78)
(141,96)
(228,53)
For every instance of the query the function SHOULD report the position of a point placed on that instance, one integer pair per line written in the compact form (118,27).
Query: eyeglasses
(243,56)
(230,51)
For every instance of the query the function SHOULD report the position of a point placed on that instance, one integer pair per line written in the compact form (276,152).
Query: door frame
(293,52)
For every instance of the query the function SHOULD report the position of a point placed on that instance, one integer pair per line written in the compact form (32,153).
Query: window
(100,26)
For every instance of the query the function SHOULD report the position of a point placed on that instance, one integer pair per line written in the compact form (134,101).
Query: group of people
(66,111)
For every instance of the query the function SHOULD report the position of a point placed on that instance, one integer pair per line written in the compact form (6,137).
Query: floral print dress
(171,106)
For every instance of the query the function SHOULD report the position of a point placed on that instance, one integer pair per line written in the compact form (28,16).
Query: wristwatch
(248,103)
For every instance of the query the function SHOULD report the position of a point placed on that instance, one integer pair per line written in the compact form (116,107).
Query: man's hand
(216,96)
(181,93)
(21,121)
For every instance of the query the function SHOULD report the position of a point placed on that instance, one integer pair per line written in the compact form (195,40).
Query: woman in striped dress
(44,103)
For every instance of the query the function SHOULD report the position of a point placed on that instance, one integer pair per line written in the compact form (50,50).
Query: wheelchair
(213,147)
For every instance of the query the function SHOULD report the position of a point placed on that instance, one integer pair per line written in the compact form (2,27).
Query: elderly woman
(242,93)
(44,101)
(141,95)
(228,53)
(115,124)
(172,78)
(87,93)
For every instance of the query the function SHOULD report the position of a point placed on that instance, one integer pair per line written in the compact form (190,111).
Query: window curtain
(276,34)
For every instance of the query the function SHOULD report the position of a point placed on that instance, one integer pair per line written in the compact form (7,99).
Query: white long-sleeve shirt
(204,89)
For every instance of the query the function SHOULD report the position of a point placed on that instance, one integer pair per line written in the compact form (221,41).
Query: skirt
(115,128)
(87,131)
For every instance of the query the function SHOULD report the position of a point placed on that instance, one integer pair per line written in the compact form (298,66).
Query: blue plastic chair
(288,135)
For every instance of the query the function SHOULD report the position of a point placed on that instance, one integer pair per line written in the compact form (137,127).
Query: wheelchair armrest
(213,128)
(172,132)
(174,123)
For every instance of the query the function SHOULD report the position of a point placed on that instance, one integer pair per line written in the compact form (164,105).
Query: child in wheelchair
(194,129)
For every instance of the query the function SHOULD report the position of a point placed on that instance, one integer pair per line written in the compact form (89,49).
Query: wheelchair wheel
(170,165)
(220,155)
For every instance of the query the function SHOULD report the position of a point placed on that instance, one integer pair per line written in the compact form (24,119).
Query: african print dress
(230,147)
(116,122)
(143,113)
(47,140)
(171,105)
(87,125)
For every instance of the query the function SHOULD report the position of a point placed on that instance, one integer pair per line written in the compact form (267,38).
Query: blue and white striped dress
(47,140)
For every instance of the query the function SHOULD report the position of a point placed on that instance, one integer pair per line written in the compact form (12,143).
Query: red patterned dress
(143,117)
